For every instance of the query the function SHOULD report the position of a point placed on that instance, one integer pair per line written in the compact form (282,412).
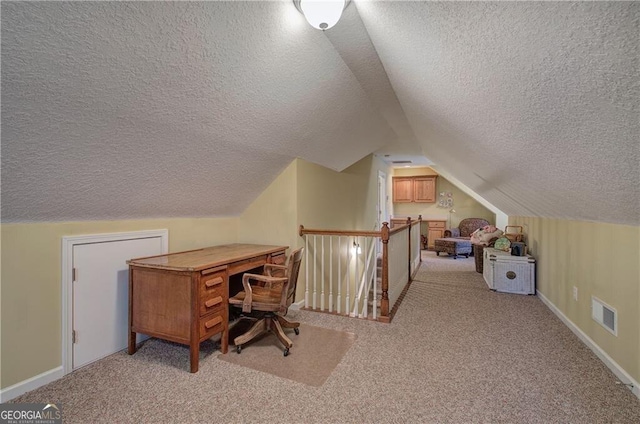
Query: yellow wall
(32,290)
(464,205)
(344,200)
(367,169)
(599,259)
(273,217)
(328,199)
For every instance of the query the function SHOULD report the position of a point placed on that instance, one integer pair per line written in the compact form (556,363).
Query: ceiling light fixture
(321,14)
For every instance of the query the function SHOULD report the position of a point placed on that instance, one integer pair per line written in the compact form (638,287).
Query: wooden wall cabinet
(418,189)
(402,189)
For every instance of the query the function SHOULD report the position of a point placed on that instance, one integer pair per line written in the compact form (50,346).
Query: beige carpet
(315,353)
(454,353)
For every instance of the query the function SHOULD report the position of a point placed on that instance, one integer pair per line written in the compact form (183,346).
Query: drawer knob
(213,322)
(213,302)
(213,282)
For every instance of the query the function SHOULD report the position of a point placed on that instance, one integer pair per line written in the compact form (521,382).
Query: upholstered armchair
(465,228)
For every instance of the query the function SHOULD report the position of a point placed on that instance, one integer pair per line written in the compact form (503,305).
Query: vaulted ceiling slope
(533,105)
(114,110)
(117,110)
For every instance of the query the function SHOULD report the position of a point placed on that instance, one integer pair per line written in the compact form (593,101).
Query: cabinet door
(424,189)
(402,189)
(434,233)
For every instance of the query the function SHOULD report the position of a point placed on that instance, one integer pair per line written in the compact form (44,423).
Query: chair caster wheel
(296,330)
(238,349)
(286,351)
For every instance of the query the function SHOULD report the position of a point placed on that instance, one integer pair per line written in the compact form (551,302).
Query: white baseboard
(31,384)
(297,305)
(619,372)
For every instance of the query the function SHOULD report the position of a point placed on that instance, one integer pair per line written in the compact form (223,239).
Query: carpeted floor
(454,353)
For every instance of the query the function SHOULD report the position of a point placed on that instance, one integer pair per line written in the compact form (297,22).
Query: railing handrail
(354,233)
(303,231)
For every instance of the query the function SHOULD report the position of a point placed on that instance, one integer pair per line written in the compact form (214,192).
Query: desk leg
(132,343)
(194,353)
(224,340)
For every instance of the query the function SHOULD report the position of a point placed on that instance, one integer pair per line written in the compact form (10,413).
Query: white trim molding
(617,370)
(67,284)
(32,383)
(297,305)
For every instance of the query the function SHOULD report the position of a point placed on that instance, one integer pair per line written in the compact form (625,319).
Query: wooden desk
(183,297)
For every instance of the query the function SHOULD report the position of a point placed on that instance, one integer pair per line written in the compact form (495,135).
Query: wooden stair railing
(346,258)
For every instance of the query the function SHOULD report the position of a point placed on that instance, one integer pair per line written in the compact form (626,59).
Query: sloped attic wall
(134,110)
(192,108)
(532,105)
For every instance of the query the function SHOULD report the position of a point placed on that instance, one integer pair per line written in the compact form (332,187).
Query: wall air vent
(401,162)
(604,315)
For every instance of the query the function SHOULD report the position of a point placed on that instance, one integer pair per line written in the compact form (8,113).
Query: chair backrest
(468,225)
(293,269)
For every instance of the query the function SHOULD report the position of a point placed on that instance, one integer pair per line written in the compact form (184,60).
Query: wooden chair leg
(256,329)
(279,332)
(286,323)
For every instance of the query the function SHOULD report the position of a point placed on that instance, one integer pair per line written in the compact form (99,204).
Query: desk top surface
(208,257)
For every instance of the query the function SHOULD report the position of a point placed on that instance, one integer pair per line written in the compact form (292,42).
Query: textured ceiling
(533,105)
(114,110)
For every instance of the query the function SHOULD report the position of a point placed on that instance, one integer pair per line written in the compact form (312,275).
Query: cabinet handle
(212,302)
(213,322)
(213,282)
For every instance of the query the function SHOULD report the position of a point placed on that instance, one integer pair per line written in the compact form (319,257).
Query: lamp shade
(322,14)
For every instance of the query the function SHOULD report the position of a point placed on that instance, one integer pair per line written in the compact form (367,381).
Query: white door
(101,295)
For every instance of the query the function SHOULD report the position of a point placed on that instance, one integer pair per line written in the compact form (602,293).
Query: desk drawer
(247,264)
(212,302)
(211,325)
(214,283)
(436,224)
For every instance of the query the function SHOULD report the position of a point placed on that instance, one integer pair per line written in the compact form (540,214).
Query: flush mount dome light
(321,14)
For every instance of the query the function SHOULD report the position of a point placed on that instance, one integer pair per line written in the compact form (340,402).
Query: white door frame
(382,203)
(68,242)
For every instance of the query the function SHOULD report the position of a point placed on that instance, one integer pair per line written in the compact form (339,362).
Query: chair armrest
(248,291)
(452,232)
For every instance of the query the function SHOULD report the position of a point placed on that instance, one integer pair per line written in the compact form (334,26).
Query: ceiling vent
(401,162)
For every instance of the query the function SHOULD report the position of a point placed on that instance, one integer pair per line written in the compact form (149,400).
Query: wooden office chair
(267,298)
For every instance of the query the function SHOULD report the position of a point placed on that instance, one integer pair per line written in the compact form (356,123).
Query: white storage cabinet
(510,274)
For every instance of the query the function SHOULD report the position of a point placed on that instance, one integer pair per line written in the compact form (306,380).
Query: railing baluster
(322,279)
(374,307)
(365,303)
(315,254)
(348,288)
(357,278)
(306,268)
(339,274)
(330,273)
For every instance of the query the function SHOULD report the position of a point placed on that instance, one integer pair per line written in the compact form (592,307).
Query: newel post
(409,249)
(420,235)
(384,302)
